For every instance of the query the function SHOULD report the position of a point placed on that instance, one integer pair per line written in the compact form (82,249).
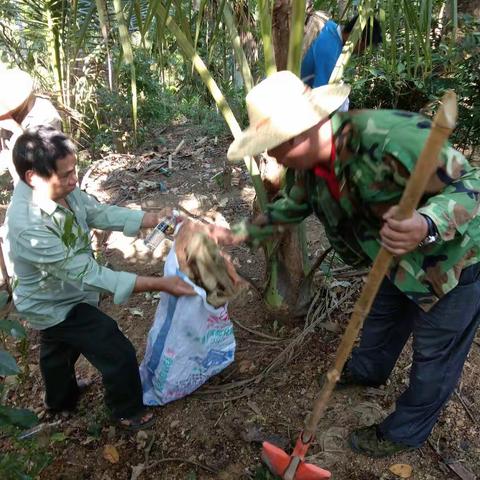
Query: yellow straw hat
(15,87)
(280,108)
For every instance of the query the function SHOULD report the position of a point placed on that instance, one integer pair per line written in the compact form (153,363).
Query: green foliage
(25,460)
(19,417)
(456,67)
(73,50)
(12,327)
(8,365)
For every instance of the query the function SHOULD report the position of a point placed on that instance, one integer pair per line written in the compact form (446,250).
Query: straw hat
(15,87)
(280,108)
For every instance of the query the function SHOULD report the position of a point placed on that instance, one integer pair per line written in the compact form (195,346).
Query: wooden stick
(177,149)
(443,124)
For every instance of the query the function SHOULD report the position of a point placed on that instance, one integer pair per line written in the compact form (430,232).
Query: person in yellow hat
(350,170)
(20,109)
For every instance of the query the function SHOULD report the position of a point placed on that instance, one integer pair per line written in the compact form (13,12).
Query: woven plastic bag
(189,342)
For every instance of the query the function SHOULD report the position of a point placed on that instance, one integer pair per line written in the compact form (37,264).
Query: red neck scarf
(328,174)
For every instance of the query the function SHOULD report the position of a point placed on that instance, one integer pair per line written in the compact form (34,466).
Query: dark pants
(441,341)
(96,336)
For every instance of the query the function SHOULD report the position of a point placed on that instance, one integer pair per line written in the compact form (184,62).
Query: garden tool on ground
(294,467)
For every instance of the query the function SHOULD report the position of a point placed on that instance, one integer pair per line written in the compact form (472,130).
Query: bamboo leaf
(80,40)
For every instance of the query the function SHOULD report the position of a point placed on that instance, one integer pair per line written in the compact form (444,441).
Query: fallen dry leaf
(110,453)
(401,470)
(245,366)
(141,439)
(137,470)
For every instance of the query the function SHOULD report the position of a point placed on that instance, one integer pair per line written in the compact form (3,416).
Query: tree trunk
(286,267)
(281,32)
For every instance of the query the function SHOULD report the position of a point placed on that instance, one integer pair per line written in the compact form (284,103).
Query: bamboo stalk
(265,10)
(128,55)
(296,36)
(347,50)
(214,33)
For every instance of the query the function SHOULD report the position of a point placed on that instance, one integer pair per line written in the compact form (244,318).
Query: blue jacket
(321,57)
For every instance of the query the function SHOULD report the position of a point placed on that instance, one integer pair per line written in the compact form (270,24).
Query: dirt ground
(266,393)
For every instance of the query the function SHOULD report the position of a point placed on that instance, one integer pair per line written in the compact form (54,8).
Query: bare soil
(216,433)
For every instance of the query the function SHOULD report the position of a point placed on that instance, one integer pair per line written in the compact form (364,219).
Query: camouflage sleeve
(458,199)
(291,208)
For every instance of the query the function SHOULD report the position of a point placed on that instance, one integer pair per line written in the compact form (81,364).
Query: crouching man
(58,282)
(350,170)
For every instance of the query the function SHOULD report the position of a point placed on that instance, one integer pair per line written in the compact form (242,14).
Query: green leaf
(8,365)
(20,417)
(13,328)
(3,298)
(53,231)
(68,237)
(58,437)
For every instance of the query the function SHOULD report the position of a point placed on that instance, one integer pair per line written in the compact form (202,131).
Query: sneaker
(370,441)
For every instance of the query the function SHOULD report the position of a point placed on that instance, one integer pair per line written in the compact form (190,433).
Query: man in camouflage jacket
(350,170)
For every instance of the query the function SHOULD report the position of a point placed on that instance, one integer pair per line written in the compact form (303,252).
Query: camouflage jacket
(375,153)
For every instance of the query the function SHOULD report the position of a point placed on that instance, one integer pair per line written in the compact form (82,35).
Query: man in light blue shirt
(58,281)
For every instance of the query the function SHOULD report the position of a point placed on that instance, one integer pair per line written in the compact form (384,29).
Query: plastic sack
(189,342)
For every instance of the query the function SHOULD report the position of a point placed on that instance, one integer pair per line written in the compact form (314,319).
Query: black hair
(376,32)
(38,149)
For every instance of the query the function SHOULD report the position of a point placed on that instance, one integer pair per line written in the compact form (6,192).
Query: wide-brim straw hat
(282,107)
(15,88)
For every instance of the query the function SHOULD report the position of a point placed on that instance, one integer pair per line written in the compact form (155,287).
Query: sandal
(140,421)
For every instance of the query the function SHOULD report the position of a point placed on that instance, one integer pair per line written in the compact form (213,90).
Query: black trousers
(442,338)
(92,333)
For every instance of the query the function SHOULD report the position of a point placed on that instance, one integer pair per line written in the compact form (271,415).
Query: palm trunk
(287,261)
(281,32)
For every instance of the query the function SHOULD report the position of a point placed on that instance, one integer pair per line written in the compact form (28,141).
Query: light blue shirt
(49,257)
(321,57)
